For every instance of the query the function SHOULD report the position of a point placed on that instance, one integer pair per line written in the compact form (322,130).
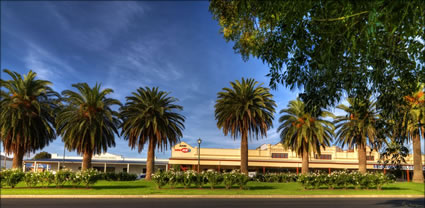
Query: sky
(175,46)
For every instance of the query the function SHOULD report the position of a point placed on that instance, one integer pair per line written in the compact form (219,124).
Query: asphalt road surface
(206,203)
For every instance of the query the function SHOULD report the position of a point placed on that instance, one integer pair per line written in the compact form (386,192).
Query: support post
(35,167)
(385,171)
(59,166)
(104,168)
(329,171)
(408,174)
(264,170)
(297,171)
(23,167)
(128,167)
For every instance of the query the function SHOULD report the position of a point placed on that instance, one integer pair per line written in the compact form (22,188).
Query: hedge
(190,177)
(10,178)
(344,179)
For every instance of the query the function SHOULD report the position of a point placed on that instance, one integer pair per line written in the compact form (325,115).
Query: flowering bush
(160,178)
(229,179)
(89,177)
(214,178)
(189,177)
(62,176)
(46,178)
(75,179)
(174,177)
(11,177)
(31,179)
(200,179)
(241,179)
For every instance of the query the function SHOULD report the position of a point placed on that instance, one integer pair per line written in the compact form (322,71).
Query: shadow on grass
(120,187)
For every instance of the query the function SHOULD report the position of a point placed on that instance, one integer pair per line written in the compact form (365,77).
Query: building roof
(102,158)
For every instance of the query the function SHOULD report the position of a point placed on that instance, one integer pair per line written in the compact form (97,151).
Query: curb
(200,196)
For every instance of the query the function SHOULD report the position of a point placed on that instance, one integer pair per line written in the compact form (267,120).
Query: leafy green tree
(27,114)
(303,133)
(149,116)
(42,155)
(247,110)
(87,123)
(358,127)
(415,120)
(355,47)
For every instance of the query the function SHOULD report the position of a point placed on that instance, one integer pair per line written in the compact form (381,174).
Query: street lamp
(199,153)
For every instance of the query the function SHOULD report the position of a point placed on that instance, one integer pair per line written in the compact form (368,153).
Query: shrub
(160,178)
(214,178)
(31,179)
(229,179)
(62,176)
(46,178)
(75,179)
(124,176)
(200,179)
(241,180)
(12,177)
(89,177)
(174,177)
(189,177)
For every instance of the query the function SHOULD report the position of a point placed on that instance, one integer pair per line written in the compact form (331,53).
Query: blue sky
(126,45)
(175,46)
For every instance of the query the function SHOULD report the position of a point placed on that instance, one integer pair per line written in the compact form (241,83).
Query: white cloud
(45,64)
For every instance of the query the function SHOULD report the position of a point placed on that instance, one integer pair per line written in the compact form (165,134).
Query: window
(323,157)
(279,155)
(124,170)
(372,158)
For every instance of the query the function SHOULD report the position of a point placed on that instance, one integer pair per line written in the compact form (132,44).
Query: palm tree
(303,133)
(247,110)
(415,119)
(87,123)
(358,127)
(27,115)
(149,116)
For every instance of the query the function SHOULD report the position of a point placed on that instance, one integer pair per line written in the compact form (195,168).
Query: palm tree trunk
(244,153)
(150,163)
(418,176)
(304,169)
(18,157)
(361,148)
(87,155)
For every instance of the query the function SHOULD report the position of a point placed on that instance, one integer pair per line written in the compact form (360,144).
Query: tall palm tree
(149,116)
(415,120)
(246,109)
(303,133)
(358,127)
(87,123)
(27,114)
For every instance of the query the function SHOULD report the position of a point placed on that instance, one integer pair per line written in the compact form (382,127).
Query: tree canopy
(331,48)
(42,155)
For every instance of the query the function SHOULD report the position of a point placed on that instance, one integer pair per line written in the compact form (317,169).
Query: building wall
(184,154)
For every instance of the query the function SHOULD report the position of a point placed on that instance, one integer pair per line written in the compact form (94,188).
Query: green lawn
(255,188)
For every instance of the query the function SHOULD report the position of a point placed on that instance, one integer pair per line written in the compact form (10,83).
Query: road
(206,203)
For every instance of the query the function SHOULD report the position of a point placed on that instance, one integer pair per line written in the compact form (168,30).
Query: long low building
(275,158)
(105,163)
